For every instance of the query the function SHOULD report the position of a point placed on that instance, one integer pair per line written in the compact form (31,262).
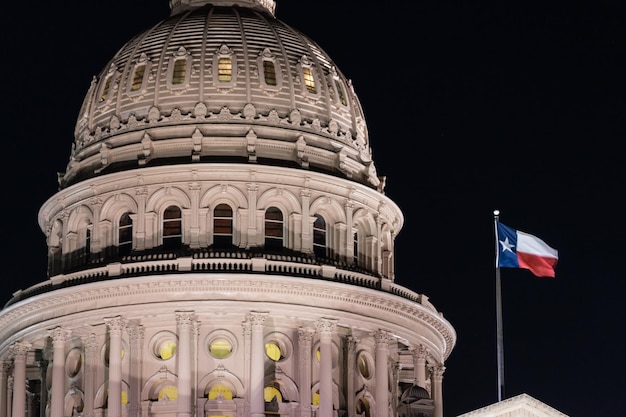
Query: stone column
(307,237)
(59,337)
(351,363)
(383,339)
(135,334)
(116,325)
(257,360)
(326,328)
(184,323)
(305,337)
(9,404)
(5,368)
(90,347)
(253,190)
(19,351)
(419,365)
(437,391)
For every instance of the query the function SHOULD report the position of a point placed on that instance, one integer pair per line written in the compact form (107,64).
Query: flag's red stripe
(539,265)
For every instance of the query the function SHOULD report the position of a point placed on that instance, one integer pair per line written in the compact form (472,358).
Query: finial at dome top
(178,6)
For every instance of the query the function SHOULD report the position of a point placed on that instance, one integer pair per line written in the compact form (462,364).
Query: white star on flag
(506,246)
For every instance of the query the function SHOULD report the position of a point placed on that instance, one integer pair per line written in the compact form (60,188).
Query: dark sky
(471,106)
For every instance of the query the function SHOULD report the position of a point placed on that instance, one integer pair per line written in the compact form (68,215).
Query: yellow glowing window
(225,70)
(316,399)
(270,392)
(220,348)
(318,354)
(364,367)
(309,80)
(340,93)
(105,89)
(168,391)
(180,71)
(138,77)
(269,72)
(273,351)
(167,350)
(218,389)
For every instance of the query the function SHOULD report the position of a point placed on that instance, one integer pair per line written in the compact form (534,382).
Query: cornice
(102,298)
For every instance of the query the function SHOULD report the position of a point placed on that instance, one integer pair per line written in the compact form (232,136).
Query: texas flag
(521,250)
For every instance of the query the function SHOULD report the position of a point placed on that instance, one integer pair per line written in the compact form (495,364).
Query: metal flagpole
(499,337)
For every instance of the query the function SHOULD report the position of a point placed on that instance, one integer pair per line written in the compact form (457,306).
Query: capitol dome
(221,81)
(220,243)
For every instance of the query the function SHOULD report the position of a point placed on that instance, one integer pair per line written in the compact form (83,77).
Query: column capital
(326,326)
(382,338)
(90,343)
(115,324)
(59,335)
(305,335)
(19,350)
(185,318)
(257,318)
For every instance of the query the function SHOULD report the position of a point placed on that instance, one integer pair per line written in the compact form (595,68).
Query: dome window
(172,227)
(107,85)
(340,96)
(319,237)
(270,80)
(220,390)
(125,234)
(137,81)
(225,64)
(273,228)
(179,69)
(308,78)
(222,226)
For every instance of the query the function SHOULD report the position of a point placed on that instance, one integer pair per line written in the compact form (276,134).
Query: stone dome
(221,81)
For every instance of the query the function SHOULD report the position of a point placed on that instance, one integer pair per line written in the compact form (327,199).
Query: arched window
(319,237)
(222,226)
(125,235)
(355,256)
(273,228)
(172,227)
(180,71)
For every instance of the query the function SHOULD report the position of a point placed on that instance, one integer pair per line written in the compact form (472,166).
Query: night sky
(471,106)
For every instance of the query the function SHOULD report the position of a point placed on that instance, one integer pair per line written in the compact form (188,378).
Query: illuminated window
(273,351)
(319,236)
(172,227)
(223,226)
(218,390)
(316,398)
(273,228)
(179,73)
(168,391)
(225,70)
(220,348)
(309,80)
(269,72)
(164,346)
(125,234)
(269,393)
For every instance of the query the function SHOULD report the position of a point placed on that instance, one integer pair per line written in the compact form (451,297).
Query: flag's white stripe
(533,245)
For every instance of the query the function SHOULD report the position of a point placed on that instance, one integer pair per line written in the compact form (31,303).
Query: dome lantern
(178,6)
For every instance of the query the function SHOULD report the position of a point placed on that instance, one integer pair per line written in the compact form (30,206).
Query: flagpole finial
(496,212)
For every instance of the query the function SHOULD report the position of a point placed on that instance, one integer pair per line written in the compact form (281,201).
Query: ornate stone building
(221,244)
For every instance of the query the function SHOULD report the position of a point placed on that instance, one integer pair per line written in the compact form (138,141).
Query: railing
(216,261)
